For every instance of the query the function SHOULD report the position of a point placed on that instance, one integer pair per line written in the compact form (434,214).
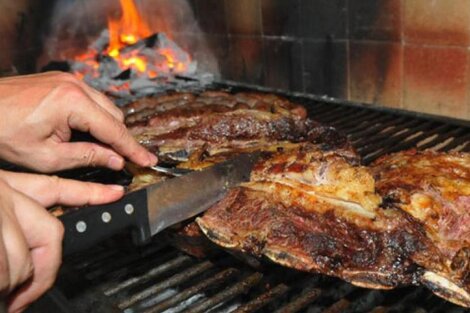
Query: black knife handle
(87,226)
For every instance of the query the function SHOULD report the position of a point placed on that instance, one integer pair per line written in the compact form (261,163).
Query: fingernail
(116,187)
(152,159)
(115,163)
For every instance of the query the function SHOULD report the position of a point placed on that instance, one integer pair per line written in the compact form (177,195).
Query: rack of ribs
(314,210)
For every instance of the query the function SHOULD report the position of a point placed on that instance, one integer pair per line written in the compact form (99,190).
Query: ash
(150,66)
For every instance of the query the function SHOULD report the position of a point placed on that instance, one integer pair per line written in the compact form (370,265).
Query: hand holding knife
(150,210)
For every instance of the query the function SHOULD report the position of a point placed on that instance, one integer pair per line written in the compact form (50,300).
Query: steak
(316,210)
(210,127)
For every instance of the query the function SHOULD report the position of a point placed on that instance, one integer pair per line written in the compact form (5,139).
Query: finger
(50,190)
(104,127)
(4,268)
(16,248)
(78,154)
(44,237)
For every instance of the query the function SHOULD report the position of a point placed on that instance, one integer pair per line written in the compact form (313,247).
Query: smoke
(75,24)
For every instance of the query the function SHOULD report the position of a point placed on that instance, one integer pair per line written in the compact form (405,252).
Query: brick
(245,60)
(280,17)
(375,19)
(283,65)
(437,22)
(212,17)
(325,68)
(321,19)
(376,73)
(436,80)
(243,17)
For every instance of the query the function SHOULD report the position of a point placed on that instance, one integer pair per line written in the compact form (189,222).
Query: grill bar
(228,294)
(174,263)
(189,292)
(263,299)
(339,306)
(174,280)
(353,127)
(301,302)
(332,112)
(365,130)
(442,137)
(328,118)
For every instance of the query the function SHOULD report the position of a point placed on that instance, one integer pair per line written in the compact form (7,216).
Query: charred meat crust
(296,211)
(215,123)
(250,222)
(434,188)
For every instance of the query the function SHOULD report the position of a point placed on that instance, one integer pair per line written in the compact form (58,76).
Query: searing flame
(127,30)
(151,57)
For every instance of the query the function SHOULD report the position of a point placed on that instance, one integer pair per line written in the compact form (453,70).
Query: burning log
(127,60)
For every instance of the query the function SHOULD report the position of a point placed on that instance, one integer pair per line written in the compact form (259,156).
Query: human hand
(26,218)
(38,112)
(30,248)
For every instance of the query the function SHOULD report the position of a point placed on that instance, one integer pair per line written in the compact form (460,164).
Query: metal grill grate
(375,133)
(158,278)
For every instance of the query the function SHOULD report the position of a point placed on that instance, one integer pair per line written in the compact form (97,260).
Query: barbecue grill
(119,277)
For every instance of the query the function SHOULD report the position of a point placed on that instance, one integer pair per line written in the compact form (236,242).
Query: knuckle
(57,230)
(120,115)
(90,157)
(54,185)
(66,77)
(54,181)
(121,133)
(70,87)
(71,90)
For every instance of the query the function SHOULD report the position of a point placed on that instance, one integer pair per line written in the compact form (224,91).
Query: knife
(150,210)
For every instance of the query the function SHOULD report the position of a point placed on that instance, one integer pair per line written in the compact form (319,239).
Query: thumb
(79,154)
(43,234)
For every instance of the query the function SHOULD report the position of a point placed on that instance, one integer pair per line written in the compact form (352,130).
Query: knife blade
(152,209)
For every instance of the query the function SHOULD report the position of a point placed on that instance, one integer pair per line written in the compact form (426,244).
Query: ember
(127,59)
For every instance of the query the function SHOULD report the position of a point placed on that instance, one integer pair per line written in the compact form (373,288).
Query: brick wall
(410,54)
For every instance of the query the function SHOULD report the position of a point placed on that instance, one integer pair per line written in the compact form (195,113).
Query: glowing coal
(146,62)
(127,60)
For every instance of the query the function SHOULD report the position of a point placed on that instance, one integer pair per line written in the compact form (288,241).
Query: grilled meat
(189,238)
(309,204)
(316,210)
(434,188)
(142,177)
(195,131)
(214,125)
